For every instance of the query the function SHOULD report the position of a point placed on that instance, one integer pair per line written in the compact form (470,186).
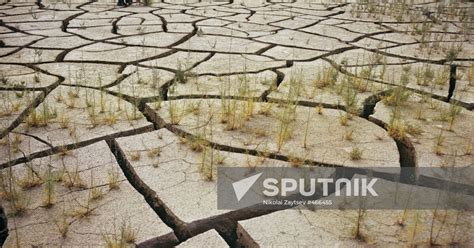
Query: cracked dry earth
(113,120)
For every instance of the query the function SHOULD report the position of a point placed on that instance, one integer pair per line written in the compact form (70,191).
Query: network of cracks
(114,120)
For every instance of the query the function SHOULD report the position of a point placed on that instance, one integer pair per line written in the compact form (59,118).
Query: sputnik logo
(241,187)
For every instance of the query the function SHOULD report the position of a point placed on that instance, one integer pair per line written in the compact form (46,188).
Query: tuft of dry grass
(397,129)
(80,212)
(73,179)
(96,193)
(348,135)
(470,75)
(196,144)
(48,197)
(30,180)
(135,156)
(122,237)
(319,109)
(356,153)
(113,179)
(344,120)
(62,225)
(154,152)
(19,204)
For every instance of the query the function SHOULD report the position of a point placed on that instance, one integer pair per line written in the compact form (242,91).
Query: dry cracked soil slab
(329,228)
(441,133)
(274,128)
(22,77)
(239,85)
(113,121)
(14,104)
(173,165)
(76,200)
(70,116)
(320,83)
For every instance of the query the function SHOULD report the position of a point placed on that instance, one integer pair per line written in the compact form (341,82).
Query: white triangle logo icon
(242,187)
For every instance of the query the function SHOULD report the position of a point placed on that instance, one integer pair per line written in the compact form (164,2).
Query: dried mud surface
(113,120)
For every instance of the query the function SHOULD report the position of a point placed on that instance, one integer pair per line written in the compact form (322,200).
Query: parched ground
(113,120)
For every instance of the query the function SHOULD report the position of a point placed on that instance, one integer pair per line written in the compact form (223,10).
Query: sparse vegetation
(349,135)
(325,77)
(356,153)
(208,164)
(358,224)
(81,211)
(94,191)
(154,152)
(344,119)
(31,179)
(357,68)
(18,200)
(135,156)
(398,96)
(42,117)
(62,225)
(196,143)
(113,178)
(125,235)
(470,75)
(73,178)
(398,128)
(48,198)
(285,118)
(176,113)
